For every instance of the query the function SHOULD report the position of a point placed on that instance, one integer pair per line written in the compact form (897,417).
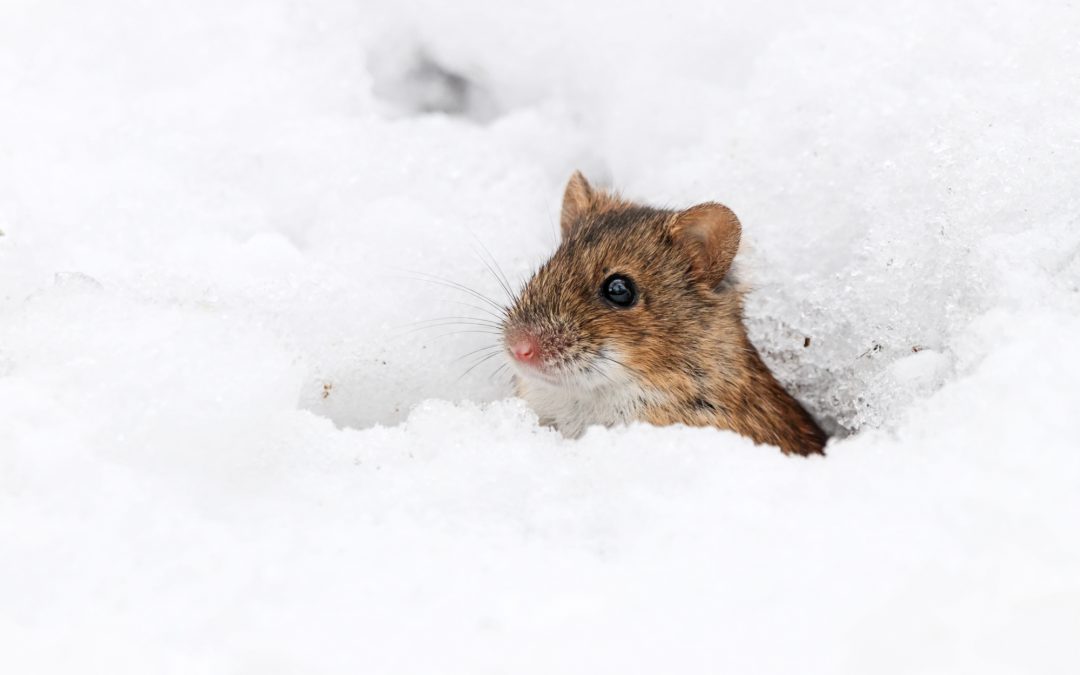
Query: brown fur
(683,343)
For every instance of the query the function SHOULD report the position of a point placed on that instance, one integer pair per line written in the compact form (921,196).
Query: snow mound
(246,429)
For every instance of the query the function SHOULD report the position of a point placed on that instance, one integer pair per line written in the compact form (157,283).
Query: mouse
(637,317)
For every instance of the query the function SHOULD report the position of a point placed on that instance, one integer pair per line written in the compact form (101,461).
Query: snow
(232,441)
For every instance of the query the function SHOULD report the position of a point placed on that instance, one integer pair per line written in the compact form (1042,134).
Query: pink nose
(525,349)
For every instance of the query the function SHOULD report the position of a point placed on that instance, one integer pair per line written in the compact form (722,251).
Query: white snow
(229,443)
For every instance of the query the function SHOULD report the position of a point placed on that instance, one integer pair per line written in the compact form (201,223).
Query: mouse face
(631,320)
(626,296)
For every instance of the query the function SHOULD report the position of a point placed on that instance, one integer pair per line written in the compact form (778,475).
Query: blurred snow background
(226,448)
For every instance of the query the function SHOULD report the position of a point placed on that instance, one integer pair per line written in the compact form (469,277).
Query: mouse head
(629,293)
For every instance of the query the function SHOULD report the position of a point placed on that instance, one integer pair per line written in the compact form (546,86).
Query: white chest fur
(572,410)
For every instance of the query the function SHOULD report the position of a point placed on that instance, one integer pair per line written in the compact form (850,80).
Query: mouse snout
(537,349)
(525,348)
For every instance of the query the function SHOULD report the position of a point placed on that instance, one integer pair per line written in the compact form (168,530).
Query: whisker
(462,332)
(431,278)
(491,330)
(495,373)
(473,366)
(499,275)
(476,351)
(431,323)
(459,318)
(498,317)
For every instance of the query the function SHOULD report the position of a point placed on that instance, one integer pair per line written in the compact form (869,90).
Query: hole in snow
(412,82)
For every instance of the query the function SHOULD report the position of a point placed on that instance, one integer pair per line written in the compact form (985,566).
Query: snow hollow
(234,438)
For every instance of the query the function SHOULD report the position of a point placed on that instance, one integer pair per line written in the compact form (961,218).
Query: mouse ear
(577,200)
(711,232)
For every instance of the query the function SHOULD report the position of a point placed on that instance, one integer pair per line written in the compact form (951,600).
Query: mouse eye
(619,290)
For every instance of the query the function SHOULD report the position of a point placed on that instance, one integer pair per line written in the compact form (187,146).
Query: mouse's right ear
(577,201)
(711,233)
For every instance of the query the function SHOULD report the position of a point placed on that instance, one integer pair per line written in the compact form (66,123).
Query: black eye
(619,290)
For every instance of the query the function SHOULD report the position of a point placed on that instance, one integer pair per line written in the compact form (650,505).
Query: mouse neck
(747,398)
(730,387)
(766,412)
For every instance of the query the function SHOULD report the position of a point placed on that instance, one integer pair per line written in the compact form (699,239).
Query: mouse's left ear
(577,201)
(711,233)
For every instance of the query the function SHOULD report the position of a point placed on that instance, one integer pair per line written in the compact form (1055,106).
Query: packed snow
(237,435)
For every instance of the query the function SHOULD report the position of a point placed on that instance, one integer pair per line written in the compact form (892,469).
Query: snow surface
(229,443)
